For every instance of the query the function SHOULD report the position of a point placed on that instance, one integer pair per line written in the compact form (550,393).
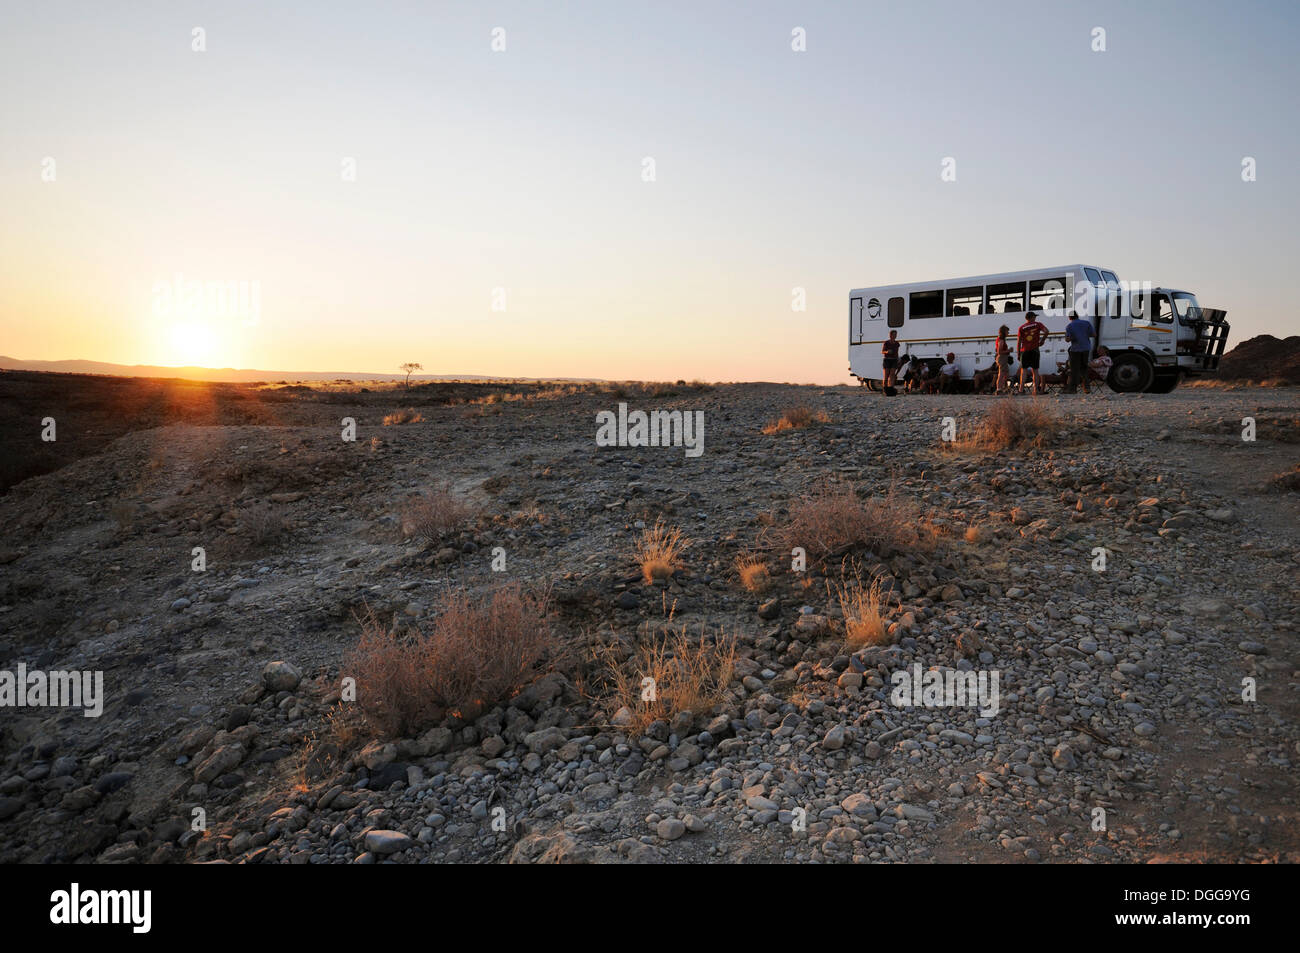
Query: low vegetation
(435,514)
(753,573)
(1013,423)
(261,526)
(834,520)
(796,418)
(866,609)
(659,551)
(671,674)
(477,652)
(408,415)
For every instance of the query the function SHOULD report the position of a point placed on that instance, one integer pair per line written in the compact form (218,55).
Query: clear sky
(523,170)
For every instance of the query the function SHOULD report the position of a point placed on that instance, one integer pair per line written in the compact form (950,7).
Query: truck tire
(1131,373)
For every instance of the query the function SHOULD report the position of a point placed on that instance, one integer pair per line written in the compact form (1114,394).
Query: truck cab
(1166,335)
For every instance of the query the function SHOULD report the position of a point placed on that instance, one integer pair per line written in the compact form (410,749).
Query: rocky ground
(1121,689)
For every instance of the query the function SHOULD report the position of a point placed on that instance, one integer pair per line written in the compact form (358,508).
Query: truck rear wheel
(1131,373)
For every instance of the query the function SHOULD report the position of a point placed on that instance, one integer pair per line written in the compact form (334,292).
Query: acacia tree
(409,368)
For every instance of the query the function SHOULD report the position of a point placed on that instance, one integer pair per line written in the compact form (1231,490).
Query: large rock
(224,759)
(560,848)
(436,740)
(387,842)
(548,739)
(281,676)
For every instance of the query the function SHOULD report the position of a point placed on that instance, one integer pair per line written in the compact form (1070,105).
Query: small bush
(261,527)
(753,573)
(834,520)
(659,551)
(1014,423)
(434,514)
(408,415)
(686,675)
(865,613)
(477,652)
(796,419)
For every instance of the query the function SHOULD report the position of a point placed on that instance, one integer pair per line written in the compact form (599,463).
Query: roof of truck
(982,279)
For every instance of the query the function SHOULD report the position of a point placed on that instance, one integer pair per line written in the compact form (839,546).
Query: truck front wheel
(1131,373)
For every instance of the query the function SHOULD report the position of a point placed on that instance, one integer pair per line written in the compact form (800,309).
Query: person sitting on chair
(949,375)
(1099,366)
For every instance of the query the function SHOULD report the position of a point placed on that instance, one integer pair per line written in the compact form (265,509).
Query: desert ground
(1148,709)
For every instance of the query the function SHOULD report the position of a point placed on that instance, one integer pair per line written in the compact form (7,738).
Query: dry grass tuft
(408,415)
(866,609)
(834,520)
(435,513)
(753,573)
(659,551)
(476,652)
(669,675)
(796,419)
(1013,423)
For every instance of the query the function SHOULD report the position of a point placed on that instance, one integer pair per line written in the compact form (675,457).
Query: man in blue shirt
(1079,334)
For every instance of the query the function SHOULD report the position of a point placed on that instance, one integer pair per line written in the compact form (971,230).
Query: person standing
(1079,334)
(1029,338)
(1002,355)
(889,358)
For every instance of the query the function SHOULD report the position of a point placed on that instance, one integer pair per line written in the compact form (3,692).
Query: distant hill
(1263,358)
(236,375)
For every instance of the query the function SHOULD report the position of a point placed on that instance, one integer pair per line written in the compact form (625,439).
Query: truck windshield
(1189,312)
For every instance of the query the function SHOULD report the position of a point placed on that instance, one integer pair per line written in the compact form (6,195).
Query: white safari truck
(1154,335)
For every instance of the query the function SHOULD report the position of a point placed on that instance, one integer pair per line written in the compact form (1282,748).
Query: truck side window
(1161,312)
(895,312)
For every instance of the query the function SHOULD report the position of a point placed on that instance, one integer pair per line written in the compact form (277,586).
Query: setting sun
(191,343)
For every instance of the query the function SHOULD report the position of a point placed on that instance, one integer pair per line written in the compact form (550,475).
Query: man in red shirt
(1029,338)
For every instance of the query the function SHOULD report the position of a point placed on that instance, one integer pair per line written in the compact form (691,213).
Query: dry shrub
(753,573)
(659,551)
(866,609)
(477,652)
(688,675)
(1014,423)
(261,526)
(435,513)
(408,415)
(796,418)
(834,520)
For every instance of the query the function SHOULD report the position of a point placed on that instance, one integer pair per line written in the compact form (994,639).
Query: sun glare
(191,343)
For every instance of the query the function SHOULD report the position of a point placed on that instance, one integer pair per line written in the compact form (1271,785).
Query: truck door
(855,320)
(1162,332)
